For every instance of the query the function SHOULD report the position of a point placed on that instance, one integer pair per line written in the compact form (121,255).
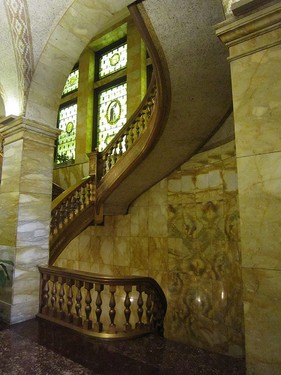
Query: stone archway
(80,23)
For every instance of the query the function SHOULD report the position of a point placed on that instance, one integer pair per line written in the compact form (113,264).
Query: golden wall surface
(184,233)
(255,53)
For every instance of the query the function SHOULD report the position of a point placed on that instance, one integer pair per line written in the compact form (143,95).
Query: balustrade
(71,203)
(130,133)
(102,306)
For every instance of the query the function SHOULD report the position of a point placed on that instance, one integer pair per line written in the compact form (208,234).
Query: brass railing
(102,306)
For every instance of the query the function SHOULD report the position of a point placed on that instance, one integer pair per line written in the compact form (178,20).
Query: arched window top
(71,83)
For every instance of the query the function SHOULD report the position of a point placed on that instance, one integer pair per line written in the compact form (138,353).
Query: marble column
(254,42)
(25,206)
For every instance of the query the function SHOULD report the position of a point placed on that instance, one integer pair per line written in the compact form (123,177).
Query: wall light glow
(12,106)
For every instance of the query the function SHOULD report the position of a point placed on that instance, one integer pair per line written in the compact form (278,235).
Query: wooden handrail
(160,94)
(136,305)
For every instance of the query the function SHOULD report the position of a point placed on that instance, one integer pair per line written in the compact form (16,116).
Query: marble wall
(69,175)
(184,233)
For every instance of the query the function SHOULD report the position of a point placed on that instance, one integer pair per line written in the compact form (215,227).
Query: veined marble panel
(8,218)
(257,117)
(11,167)
(33,222)
(262,305)
(260,205)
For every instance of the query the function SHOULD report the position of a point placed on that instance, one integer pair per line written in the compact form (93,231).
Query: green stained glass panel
(67,138)
(112,113)
(71,82)
(112,61)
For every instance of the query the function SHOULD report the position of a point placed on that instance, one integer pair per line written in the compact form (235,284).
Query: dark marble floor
(41,348)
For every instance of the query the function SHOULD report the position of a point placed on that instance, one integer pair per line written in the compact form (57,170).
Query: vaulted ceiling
(41,40)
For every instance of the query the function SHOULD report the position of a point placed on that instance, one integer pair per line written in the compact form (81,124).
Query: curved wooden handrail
(61,290)
(157,120)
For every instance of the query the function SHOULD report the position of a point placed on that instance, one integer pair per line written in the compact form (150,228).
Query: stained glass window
(112,113)
(112,61)
(66,140)
(71,82)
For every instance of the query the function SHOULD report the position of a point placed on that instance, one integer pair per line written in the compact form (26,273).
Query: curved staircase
(186,102)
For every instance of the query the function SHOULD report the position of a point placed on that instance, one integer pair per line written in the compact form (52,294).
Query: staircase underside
(200,91)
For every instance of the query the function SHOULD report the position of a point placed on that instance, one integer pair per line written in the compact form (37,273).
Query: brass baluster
(143,124)
(112,312)
(45,295)
(92,191)
(120,147)
(88,323)
(109,161)
(83,198)
(69,315)
(87,194)
(78,319)
(104,164)
(53,224)
(115,155)
(60,217)
(53,310)
(126,136)
(157,320)
(140,323)
(148,309)
(127,310)
(137,127)
(72,207)
(67,210)
(132,136)
(61,313)
(77,202)
(98,325)
(56,222)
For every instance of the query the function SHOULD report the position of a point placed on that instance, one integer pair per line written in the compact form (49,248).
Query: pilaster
(25,206)
(254,42)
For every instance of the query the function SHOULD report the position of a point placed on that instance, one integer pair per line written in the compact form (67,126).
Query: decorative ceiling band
(19,22)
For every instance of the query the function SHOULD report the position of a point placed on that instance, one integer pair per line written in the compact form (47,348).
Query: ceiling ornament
(19,22)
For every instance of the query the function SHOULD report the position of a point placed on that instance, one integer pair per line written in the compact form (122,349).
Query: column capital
(15,128)
(247,34)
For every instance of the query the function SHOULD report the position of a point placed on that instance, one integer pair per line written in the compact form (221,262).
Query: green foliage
(4,274)
(63,159)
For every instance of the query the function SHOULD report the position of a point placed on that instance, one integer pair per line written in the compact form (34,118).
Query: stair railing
(129,134)
(102,306)
(74,202)
(77,201)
